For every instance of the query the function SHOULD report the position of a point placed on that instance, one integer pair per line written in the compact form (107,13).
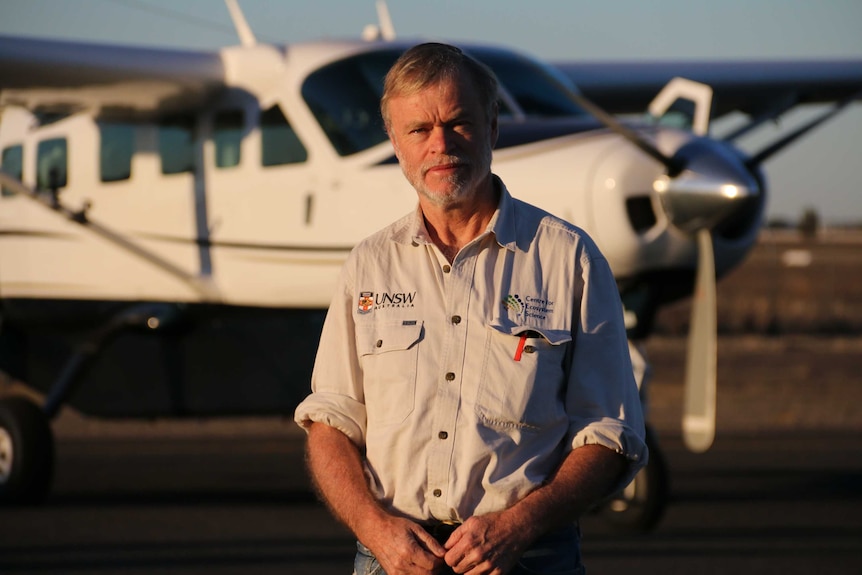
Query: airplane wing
(753,87)
(62,77)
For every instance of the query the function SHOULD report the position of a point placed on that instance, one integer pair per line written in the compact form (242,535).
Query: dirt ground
(790,350)
(791,382)
(787,285)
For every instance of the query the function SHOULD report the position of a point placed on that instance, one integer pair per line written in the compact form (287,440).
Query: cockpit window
(345,96)
(536,89)
(345,99)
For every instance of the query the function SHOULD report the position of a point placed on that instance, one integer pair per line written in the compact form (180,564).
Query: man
(473,393)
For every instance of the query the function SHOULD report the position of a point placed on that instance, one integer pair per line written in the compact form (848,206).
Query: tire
(26,453)
(640,506)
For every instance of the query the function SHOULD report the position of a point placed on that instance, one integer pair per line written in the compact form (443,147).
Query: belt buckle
(441,530)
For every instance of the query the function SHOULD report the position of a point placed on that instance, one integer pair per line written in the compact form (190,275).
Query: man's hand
(402,546)
(487,544)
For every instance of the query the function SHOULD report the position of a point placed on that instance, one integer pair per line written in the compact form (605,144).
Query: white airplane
(172,222)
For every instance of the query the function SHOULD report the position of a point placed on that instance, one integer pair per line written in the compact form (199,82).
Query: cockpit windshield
(344,96)
(538,93)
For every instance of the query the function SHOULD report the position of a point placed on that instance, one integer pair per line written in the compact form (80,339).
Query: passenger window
(12,164)
(279,143)
(51,162)
(227,135)
(176,144)
(115,151)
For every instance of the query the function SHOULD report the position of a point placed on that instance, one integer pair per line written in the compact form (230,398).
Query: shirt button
(447,268)
(456,319)
(379,343)
(450,376)
(437,493)
(415,244)
(442,435)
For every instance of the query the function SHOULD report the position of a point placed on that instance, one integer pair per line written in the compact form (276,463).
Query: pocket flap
(552,336)
(382,337)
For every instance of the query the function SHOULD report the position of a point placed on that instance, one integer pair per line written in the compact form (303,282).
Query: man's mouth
(446,168)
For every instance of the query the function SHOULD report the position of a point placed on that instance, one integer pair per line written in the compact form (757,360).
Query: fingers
(475,548)
(427,541)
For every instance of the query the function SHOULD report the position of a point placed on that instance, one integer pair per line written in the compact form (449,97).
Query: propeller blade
(698,423)
(673,167)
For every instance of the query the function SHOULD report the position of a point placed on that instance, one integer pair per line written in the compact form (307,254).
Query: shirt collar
(411,228)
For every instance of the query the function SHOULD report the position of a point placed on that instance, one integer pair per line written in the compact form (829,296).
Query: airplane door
(259,204)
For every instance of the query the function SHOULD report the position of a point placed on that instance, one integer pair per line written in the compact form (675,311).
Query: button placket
(457,290)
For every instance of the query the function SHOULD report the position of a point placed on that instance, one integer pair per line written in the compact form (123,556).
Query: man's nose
(441,140)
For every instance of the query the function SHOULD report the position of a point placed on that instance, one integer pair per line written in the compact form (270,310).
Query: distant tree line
(809,223)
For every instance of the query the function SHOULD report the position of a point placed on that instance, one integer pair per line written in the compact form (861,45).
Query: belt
(441,530)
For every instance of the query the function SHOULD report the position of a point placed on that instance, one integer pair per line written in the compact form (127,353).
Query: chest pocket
(522,383)
(388,354)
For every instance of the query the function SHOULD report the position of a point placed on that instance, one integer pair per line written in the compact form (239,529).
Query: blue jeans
(556,553)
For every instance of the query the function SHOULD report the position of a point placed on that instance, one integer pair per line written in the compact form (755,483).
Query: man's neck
(453,227)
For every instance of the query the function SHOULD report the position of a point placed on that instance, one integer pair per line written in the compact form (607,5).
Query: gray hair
(428,64)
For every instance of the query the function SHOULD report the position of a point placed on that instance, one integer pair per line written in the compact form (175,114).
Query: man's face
(443,140)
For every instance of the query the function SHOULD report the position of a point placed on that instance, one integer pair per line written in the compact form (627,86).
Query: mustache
(446,161)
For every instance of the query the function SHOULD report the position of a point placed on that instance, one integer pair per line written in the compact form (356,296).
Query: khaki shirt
(467,384)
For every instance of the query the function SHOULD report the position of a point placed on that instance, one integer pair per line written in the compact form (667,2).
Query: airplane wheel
(26,452)
(640,506)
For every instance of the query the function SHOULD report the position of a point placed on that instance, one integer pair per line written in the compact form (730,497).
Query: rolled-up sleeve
(602,397)
(337,397)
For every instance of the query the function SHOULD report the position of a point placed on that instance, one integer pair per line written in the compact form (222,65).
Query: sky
(818,172)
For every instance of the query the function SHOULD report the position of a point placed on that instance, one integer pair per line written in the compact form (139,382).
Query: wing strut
(199,284)
(243,30)
(758,158)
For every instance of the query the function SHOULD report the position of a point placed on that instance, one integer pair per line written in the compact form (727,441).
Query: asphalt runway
(779,492)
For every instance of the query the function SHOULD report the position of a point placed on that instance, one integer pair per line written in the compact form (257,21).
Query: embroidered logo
(513,303)
(529,306)
(366,302)
(370,301)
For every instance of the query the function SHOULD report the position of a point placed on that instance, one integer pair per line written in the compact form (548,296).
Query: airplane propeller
(703,185)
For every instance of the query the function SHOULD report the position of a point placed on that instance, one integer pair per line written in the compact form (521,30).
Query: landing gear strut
(641,504)
(26,439)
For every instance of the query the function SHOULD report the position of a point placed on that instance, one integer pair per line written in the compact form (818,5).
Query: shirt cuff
(339,411)
(619,438)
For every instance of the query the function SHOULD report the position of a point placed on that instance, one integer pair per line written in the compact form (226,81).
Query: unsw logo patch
(369,301)
(366,302)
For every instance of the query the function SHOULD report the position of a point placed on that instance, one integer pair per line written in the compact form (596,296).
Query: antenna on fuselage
(383,30)
(243,30)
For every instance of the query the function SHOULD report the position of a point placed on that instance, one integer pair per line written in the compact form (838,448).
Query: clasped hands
(484,545)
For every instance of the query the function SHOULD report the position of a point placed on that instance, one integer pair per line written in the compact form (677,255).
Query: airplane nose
(714,187)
